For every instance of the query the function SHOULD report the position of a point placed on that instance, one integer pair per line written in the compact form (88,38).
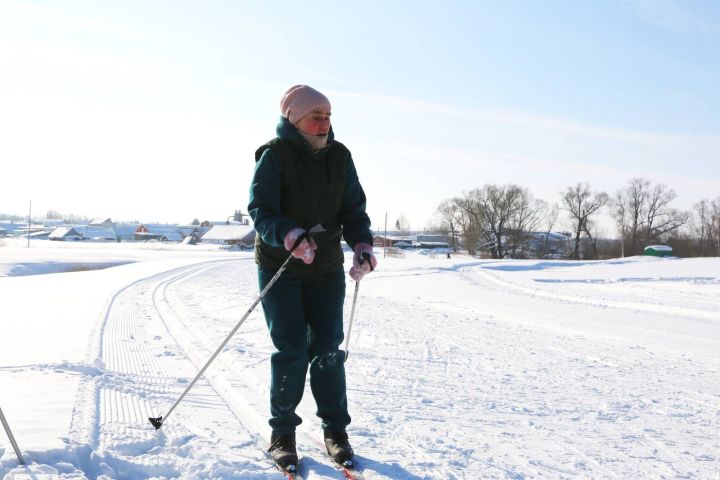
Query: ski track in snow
(144,372)
(493,381)
(583,407)
(655,300)
(559,396)
(240,375)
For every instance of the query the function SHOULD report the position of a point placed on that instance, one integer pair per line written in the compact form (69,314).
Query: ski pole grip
(365,257)
(307,234)
(298,241)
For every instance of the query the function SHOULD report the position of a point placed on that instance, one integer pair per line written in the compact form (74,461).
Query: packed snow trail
(459,369)
(242,382)
(490,386)
(144,369)
(219,432)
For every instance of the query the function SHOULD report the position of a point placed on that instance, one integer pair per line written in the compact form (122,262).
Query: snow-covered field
(459,368)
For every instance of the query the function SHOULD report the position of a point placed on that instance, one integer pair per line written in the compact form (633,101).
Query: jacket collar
(287,131)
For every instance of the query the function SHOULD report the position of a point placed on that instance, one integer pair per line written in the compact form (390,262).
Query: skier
(304,177)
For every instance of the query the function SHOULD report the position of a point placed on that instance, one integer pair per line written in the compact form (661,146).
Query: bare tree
(582,204)
(630,204)
(660,219)
(550,218)
(621,215)
(701,226)
(450,218)
(499,204)
(468,219)
(708,213)
(402,225)
(526,220)
(501,215)
(53,215)
(715,225)
(644,214)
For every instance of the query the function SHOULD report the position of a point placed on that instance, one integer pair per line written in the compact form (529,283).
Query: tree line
(506,220)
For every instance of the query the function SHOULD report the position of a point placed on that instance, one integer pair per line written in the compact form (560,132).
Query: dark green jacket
(293,186)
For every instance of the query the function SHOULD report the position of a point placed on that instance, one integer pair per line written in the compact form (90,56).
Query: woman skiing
(304,178)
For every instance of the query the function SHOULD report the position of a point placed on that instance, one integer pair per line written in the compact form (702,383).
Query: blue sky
(151,110)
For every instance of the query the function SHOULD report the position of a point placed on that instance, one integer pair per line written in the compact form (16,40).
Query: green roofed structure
(658,251)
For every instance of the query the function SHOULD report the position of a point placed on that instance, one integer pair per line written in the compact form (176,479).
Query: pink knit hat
(300,100)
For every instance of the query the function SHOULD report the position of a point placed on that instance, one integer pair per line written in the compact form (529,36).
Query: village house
(239,234)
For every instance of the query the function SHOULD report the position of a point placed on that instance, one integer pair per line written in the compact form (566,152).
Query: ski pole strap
(299,240)
(307,234)
(365,257)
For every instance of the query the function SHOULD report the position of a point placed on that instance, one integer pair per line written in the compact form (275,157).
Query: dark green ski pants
(304,314)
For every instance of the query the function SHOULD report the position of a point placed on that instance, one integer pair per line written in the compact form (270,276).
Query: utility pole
(385,239)
(29,221)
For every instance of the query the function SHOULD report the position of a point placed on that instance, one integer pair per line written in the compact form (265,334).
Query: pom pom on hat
(300,100)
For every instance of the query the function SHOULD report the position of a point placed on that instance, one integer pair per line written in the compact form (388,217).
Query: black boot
(338,446)
(283,451)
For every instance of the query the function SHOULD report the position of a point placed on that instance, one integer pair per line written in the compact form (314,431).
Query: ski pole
(10,435)
(157,422)
(363,258)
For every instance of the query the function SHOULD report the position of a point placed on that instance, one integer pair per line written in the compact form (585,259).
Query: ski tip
(156,422)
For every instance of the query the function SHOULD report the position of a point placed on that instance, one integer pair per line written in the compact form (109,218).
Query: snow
(665,248)
(458,368)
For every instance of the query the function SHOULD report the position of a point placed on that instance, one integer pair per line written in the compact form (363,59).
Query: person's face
(315,123)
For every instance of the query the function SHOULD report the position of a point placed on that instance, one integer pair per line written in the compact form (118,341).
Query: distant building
(412,240)
(164,233)
(7,228)
(431,245)
(434,238)
(101,222)
(63,234)
(658,251)
(82,232)
(34,231)
(548,244)
(231,234)
(125,232)
(99,233)
(392,240)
